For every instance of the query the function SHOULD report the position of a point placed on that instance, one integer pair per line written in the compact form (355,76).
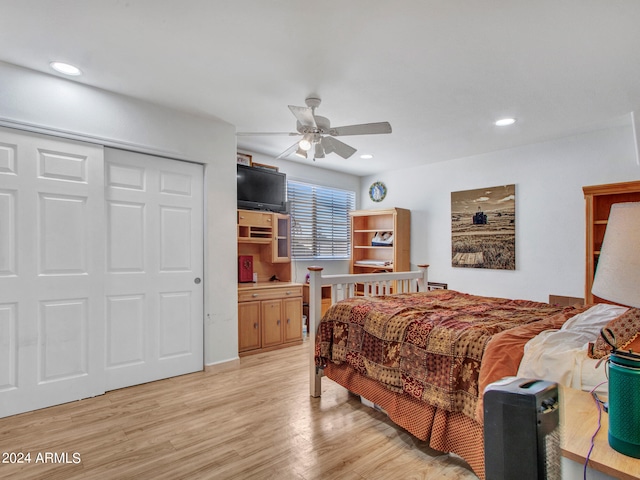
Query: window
(320,227)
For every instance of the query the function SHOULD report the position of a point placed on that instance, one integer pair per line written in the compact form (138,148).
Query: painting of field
(483,228)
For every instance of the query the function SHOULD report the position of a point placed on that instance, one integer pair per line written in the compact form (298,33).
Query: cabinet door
(248,326)
(271,323)
(281,239)
(292,319)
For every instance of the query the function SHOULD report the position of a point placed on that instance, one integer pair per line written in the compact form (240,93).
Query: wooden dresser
(598,199)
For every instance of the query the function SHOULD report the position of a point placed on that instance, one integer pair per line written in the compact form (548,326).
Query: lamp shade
(617,276)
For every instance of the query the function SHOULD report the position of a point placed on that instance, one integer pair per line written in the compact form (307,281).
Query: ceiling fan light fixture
(301,153)
(305,143)
(505,122)
(66,68)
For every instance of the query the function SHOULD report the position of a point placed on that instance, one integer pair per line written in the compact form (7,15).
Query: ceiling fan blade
(288,151)
(257,134)
(362,129)
(304,115)
(331,145)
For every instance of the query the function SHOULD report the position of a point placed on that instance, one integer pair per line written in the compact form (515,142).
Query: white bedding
(561,355)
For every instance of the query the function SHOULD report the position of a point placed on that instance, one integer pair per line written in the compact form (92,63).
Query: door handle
(197,281)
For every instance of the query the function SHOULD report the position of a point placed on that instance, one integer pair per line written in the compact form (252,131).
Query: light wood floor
(252,422)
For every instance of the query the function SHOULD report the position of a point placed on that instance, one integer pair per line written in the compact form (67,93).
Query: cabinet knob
(254,295)
(289,293)
(278,322)
(255,325)
(288,321)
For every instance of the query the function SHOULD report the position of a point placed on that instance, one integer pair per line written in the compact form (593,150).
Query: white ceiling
(440,71)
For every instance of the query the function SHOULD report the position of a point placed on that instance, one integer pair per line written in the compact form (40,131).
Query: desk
(579,419)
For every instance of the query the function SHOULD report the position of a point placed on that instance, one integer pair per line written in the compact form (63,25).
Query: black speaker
(522,430)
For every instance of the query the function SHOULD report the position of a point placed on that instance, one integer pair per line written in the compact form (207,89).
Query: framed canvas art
(483,228)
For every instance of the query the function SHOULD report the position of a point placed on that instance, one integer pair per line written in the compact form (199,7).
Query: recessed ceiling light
(503,122)
(65,68)
(366,156)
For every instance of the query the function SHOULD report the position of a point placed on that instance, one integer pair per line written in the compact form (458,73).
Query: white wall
(550,210)
(548,176)
(52,105)
(306,172)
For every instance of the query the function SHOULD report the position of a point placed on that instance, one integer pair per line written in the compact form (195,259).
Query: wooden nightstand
(579,420)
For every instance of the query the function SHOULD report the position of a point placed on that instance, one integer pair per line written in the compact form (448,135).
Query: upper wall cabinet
(255,227)
(281,246)
(266,237)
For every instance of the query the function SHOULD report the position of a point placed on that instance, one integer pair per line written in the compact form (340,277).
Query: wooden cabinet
(266,237)
(255,227)
(249,331)
(271,322)
(370,226)
(281,246)
(292,327)
(270,310)
(598,199)
(269,317)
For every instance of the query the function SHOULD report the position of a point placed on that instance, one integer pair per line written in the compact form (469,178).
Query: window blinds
(320,227)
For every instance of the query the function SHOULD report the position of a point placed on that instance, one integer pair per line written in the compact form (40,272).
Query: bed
(425,357)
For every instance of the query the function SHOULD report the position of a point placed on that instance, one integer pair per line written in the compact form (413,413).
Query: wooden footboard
(346,286)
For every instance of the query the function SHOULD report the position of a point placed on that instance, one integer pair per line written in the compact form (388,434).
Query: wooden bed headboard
(350,285)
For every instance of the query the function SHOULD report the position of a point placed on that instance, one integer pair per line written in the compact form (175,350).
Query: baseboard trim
(223,366)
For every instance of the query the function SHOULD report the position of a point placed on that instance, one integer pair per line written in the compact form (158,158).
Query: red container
(245,268)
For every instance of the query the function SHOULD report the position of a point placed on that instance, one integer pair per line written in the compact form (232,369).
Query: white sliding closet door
(154,267)
(51,271)
(101,262)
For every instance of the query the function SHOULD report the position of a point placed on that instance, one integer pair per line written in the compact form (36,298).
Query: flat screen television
(261,189)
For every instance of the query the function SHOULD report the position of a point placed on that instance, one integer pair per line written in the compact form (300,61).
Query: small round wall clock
(377,191)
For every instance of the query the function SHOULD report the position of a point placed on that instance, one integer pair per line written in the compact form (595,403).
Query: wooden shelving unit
(269,312)
(598,199)
(368,258)
(266,237)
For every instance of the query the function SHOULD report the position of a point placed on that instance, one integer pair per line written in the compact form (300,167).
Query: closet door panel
(51,271)
(154,284)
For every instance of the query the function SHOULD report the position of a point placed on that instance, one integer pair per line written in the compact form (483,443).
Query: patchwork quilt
(428,345)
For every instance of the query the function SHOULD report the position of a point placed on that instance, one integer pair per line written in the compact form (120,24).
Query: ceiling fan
(317,133)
